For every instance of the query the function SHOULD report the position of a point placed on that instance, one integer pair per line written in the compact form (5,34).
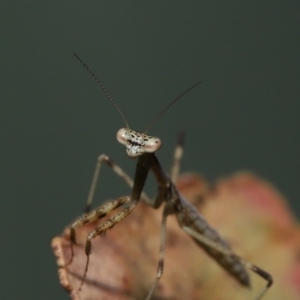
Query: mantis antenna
(116,105)
(103,88)
(170,104)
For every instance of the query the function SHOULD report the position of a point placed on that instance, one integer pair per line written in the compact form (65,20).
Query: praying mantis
(143,147)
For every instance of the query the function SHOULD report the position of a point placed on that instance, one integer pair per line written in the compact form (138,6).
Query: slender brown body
(188,216)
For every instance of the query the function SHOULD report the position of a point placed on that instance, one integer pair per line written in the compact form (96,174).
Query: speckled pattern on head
(137,143)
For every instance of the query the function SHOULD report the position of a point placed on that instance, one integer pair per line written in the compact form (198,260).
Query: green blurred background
(55,121)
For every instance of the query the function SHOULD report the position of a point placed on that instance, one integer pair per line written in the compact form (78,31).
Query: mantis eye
(152,144)
(122,136)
